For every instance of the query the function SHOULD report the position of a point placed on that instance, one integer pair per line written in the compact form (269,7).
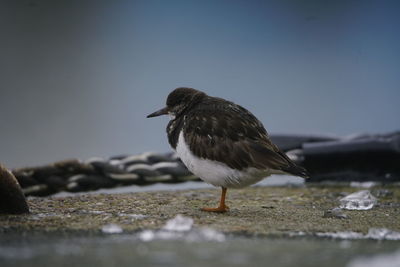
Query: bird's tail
(297,170)
(292,168)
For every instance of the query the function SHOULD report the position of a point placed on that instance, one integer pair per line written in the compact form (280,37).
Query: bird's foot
(219,209)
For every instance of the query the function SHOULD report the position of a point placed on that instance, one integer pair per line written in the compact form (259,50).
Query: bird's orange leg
(222,207)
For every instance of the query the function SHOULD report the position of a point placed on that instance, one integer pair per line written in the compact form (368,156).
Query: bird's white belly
(217,173)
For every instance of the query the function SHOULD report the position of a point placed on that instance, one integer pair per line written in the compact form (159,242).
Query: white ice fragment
(360,200)
(373,233)
(147,235)
(111,228)
(181,228)
(179,224)
(298,233)
(210,234)
(382,234)
(342,235)
(194,235)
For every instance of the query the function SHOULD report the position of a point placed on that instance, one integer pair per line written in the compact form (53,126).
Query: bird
(221,142)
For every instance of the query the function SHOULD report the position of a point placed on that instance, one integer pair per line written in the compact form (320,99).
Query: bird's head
(178,101)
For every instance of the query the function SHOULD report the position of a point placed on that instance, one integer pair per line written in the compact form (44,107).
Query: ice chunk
(298,233)
(193,235)
(382,234)
(111,228)
(209,234)
(342,235)
(179,224)
(373,233)
(360,200)
(147,235)
(181,228)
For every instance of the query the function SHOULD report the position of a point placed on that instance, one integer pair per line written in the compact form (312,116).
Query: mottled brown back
(220,130)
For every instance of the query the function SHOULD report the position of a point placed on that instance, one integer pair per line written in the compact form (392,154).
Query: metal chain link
(95,173)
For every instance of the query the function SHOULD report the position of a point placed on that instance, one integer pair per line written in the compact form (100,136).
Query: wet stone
(251,213)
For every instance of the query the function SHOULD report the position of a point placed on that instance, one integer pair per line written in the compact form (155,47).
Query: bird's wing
(230,134)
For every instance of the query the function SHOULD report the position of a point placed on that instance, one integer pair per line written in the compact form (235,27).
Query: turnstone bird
(221,142)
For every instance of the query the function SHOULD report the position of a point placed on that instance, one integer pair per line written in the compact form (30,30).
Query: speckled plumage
(221,142)
(225,132)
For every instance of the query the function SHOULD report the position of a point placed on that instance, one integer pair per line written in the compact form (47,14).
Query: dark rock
(268,207)
(12,200)
(335,213)
(359,158)
(26,180)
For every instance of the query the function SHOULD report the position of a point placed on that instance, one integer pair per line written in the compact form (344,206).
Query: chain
(354,158)
(76,176)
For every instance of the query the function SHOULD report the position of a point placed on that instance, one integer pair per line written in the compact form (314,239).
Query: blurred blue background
(79,77)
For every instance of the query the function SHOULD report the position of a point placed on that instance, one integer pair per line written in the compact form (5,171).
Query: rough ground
(254,211)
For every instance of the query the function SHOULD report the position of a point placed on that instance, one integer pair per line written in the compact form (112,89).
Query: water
(384,260)
(41,250)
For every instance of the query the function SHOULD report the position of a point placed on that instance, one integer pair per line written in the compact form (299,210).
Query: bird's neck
(174,127)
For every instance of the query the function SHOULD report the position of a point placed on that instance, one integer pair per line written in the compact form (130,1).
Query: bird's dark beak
(160,112)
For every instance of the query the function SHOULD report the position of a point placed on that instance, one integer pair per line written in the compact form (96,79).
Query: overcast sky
(79,77)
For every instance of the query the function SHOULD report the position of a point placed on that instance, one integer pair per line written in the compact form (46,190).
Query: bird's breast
(214,172)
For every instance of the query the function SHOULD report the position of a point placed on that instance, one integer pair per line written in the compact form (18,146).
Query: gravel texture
(273,211)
